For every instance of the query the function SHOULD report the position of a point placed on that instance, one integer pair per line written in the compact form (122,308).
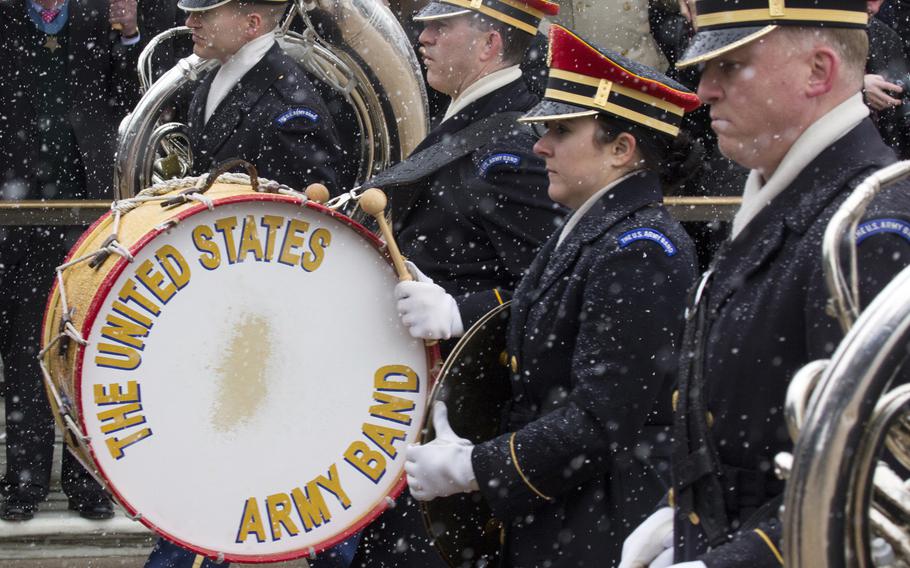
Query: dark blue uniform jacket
(593,336)
(477,223)
(762,317)
(274,118)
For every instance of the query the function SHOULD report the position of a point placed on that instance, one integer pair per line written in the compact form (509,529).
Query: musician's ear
(623,150)
(492,46)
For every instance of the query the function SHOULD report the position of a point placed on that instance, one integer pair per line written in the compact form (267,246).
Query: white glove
(663,560)
(416,274)
(427,310)
(442,467)
(649,540)
(692,564)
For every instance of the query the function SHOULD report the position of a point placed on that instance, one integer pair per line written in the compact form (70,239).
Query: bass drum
(245,387)
(475,385)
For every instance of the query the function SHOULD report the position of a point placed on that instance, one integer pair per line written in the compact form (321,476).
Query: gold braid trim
(770,544)
(521,473)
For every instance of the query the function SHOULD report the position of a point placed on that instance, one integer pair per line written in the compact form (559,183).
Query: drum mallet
(373,202)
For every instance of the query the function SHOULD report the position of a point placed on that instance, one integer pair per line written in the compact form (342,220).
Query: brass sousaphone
(359,49)
(847,500)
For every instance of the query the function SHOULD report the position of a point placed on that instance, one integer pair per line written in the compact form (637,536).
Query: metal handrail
(85,211)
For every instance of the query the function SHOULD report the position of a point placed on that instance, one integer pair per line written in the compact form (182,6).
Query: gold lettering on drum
(308,502)
(178,270)
(226,228)
(384,437)
(116,445)
(123,409)
(271,223)
(249,240)
(251,522)
(368,462)
(210,259)
(242,375)
(395,378)
(293,238)
(154,281)
(295,248)
(319,240)
(359,455)
(391,408)
(130,293)
(124,327)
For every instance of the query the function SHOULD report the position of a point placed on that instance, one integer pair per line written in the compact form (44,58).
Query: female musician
(594,326)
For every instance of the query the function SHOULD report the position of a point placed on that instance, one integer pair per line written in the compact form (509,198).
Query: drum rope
(111,245)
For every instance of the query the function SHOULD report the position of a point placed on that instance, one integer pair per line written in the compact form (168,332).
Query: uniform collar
(612,204)
(587,205)
(821,134)
(230,73)
(481,87)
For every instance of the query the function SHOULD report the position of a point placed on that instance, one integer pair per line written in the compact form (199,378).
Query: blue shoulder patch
(294,113)
(878,226)
(648,234)
(494,160)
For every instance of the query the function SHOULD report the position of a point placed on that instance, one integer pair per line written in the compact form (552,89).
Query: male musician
(784,84)
(67,80)
(259,104)
(470,205)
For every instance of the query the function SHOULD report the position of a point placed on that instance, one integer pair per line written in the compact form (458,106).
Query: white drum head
(263,411)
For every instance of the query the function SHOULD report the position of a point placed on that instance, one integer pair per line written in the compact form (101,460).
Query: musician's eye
(560,128)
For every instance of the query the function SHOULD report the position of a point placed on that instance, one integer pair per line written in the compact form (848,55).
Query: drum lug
(66,318)
(103,253)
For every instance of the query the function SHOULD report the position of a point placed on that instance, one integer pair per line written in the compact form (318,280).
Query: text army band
(644,417)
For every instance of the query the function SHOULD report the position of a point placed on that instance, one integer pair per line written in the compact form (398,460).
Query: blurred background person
(68,79)
(886,81)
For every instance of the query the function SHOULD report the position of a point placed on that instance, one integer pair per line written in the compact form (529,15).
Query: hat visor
(200,5)
(438,11)
(709,44)
(548,109)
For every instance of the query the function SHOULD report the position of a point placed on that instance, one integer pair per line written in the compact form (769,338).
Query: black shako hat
(201,5)
(725,25)
(524,15)
(585,80)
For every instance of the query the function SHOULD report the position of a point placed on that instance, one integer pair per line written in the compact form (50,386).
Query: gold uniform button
(671,498)
(514,364)
(504,359)
(693,518)
(674,401)
(709,418)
